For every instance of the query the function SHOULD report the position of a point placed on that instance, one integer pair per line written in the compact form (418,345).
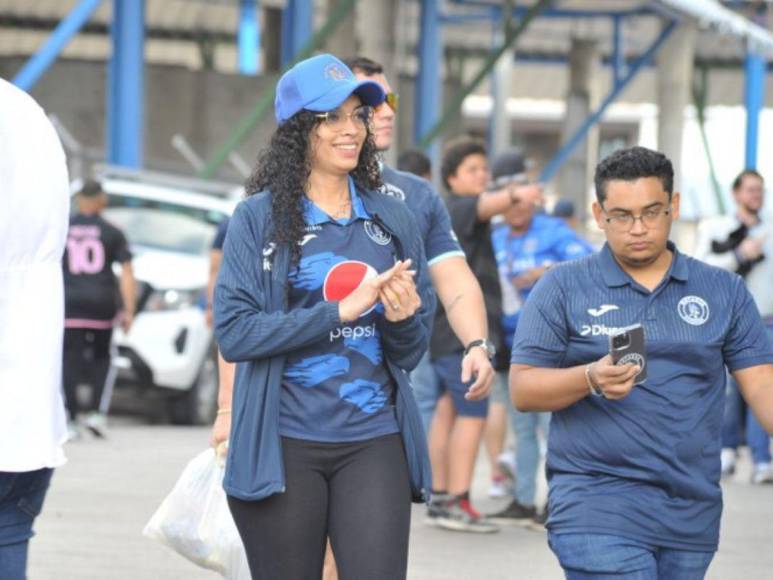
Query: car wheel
(198,405)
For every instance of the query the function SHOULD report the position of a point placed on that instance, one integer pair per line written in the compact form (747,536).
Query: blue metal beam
(126,93)
(428,85)
(297,28)
(26,78)
(249,37)
(520,11)
(563,154)
(754,99)
(618,50)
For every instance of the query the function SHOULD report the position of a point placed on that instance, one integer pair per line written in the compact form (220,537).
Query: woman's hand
(367,293)
(400,297)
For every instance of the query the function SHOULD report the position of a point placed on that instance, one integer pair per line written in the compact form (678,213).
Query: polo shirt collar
(615,276)
(314,216)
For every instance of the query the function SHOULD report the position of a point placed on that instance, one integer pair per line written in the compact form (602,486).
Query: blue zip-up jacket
(254,328)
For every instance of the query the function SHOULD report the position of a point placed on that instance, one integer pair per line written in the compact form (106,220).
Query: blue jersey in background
(548,241)
(429,210)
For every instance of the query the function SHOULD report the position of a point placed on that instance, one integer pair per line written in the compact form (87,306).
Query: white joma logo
(603,309)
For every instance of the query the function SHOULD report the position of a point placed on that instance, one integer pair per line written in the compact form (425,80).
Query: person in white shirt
(743,243)
(33,228)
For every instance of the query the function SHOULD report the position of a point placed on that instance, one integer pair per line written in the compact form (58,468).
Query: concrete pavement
(99,502)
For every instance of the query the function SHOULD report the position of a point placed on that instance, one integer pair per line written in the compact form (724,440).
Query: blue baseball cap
(321,83)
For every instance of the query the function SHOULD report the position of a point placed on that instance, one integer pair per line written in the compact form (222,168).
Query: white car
(170,223)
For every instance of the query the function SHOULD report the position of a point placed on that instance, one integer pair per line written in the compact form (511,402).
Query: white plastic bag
(194,520)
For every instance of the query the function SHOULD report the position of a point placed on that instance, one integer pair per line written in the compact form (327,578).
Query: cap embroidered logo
(335,72)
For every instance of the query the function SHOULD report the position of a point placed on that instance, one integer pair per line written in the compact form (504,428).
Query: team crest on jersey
(377,233)
(392,191)
(693,310)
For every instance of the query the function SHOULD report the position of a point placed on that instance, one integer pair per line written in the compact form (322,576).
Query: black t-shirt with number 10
(90,288)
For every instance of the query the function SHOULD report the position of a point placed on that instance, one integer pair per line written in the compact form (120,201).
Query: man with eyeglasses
(634,470)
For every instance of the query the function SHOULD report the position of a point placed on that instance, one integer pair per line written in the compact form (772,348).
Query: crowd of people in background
(358,392)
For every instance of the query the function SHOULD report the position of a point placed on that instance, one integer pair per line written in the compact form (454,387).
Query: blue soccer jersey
(429,210)
(645,467)
(548,241)
(338,389)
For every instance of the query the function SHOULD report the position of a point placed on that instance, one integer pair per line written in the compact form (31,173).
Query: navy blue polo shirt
(646,467)
(338,389)
(430,212)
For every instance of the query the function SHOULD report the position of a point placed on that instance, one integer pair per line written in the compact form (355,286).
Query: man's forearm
(493,203)
(460,294)
(128,289)
(763,409)
(541,389)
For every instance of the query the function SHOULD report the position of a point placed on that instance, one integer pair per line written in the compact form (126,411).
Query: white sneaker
(727,459)
(74,432)
(499,488)
(506,464)
(97,424)
(762,473)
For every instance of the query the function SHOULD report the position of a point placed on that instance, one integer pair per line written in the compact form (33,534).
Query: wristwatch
(484,343)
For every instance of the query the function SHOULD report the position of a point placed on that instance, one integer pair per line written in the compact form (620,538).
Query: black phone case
(633,352)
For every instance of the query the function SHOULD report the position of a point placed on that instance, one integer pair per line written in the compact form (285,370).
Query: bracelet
(223,411)
(594,390)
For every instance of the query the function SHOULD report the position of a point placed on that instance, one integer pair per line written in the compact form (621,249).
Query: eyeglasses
(393,100)
(336,120)
(623,222)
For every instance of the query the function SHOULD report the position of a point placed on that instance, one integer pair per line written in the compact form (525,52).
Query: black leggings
(86,360)
(358,494)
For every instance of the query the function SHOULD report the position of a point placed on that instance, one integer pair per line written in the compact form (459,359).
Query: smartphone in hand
(627,346)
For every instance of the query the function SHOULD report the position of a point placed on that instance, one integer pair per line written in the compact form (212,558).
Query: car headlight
(161,300)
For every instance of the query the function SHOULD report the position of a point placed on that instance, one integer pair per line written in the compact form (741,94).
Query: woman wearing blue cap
(324,301)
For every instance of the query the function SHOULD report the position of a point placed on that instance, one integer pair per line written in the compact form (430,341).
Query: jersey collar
(615,276)
(314,216)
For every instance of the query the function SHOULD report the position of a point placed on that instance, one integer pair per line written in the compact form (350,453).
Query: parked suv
(170,223)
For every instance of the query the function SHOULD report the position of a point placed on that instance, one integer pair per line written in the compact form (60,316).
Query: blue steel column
(754,98)
(428,85)
(126,93)
(618,50)
(297,27)
(26,78)
(249,37)
(552,166)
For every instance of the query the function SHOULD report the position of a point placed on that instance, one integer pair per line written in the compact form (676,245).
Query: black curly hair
(284,168)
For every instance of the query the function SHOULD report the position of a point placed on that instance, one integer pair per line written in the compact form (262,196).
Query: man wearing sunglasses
(457,287)
(634,469)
